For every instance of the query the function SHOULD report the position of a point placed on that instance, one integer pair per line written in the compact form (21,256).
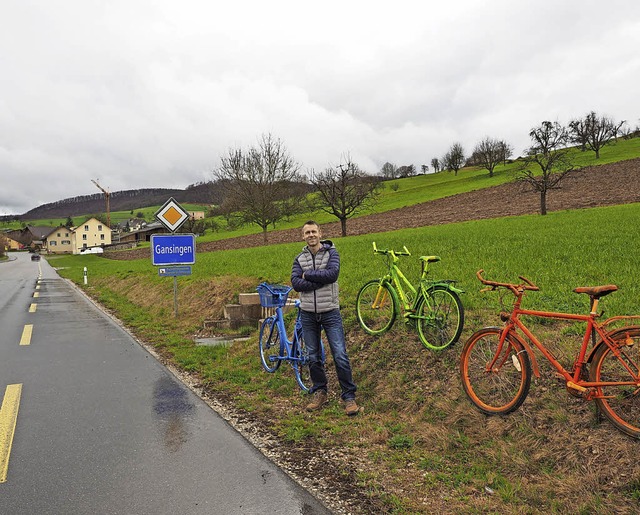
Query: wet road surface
(102,427)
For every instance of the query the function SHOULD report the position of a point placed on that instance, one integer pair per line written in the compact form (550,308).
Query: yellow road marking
(36,295)
(26,334)
(8,419)
(37,286)
(32,308)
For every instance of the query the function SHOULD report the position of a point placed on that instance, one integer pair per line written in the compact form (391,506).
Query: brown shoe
(350,407)
(319,399)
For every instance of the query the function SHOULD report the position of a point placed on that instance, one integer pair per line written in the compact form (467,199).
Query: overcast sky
(151,93)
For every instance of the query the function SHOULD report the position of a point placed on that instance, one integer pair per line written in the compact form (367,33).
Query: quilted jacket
(319,288)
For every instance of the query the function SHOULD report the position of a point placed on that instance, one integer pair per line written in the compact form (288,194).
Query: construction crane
(106,198)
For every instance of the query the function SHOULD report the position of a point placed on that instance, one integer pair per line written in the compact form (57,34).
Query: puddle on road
(172,407)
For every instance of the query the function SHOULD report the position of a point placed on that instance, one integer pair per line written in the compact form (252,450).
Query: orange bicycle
(496,362)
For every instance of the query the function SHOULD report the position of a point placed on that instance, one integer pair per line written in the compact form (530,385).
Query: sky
(152,93)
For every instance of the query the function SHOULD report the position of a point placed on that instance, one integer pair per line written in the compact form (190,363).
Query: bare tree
(489,153)
(594,132)
(578,133)
(406,171)
(549,153)
(424,169)
(345,190)
(507,151)
(435,164)
(257,182)
(454,159)
(389,171)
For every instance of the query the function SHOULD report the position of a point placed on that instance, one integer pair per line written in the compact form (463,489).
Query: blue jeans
(331,322)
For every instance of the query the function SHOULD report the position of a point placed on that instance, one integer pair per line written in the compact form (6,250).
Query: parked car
(92,250)
(35,257)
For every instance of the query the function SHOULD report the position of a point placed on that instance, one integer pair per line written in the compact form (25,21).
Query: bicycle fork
(381,297)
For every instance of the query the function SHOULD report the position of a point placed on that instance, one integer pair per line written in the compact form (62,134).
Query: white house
(65,240)
(90,233)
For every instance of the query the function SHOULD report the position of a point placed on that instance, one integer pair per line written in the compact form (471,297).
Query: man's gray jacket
(319,287)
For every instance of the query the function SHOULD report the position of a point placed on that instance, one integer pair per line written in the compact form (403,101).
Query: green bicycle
(434,306)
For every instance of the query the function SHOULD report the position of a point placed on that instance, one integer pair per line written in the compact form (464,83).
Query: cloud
(152,93)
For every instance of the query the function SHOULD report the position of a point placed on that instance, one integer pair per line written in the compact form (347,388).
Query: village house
(59,241)
(143,234)
(196,215)
(10,242)
(73,240)
(31,236)
(90,233)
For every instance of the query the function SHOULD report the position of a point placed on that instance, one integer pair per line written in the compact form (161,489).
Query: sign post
(171,250)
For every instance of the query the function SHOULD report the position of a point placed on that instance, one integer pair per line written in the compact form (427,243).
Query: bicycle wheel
(301,366)
(269,344)
(376,307)
(440,318)
(504,388)
(621,403)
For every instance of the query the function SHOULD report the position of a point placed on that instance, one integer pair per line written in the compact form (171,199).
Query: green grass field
(559,251)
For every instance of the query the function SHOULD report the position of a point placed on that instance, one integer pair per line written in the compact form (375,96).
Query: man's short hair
(311,222)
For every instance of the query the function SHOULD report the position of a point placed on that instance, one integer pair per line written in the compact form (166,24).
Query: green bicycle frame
(399,282)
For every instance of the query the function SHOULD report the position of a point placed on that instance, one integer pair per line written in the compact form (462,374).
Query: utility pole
(106,198)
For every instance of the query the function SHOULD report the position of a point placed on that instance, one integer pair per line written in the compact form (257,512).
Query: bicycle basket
(273,295)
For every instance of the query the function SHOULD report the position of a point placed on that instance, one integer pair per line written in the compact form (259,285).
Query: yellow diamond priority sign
(172,215)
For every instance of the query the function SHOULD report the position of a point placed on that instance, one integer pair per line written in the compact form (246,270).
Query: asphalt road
(91,423)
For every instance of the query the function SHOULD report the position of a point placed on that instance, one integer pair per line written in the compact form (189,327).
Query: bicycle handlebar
(515,288)
(403,252)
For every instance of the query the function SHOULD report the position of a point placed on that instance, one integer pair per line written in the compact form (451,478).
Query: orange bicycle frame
(574,379)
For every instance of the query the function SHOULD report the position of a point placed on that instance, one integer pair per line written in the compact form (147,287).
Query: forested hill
(203,193)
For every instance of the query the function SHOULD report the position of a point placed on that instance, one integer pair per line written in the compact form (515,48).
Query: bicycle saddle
(430,259)
(597,291)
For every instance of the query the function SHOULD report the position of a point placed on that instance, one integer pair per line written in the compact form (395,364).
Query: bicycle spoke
(376,307)
(496,384)
(440,318)
(300,364)
(619,403)
(269,345)
(381,298)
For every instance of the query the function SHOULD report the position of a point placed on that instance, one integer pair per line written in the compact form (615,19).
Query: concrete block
(233,311)
(242,311)
(217,324)
(249,298)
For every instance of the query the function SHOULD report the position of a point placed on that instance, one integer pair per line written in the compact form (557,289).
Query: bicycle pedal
(577,387)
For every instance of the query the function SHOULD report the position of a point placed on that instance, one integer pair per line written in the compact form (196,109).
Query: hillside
(122,201)
(609,184)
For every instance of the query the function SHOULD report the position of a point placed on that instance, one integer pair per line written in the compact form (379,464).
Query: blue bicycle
(275,346)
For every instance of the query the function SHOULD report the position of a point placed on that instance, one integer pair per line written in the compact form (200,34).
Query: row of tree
(591,132)
(263,184)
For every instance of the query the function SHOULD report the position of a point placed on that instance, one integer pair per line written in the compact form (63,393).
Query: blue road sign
(174,271)
(173,249)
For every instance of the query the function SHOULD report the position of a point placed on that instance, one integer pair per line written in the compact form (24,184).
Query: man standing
(315,275)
